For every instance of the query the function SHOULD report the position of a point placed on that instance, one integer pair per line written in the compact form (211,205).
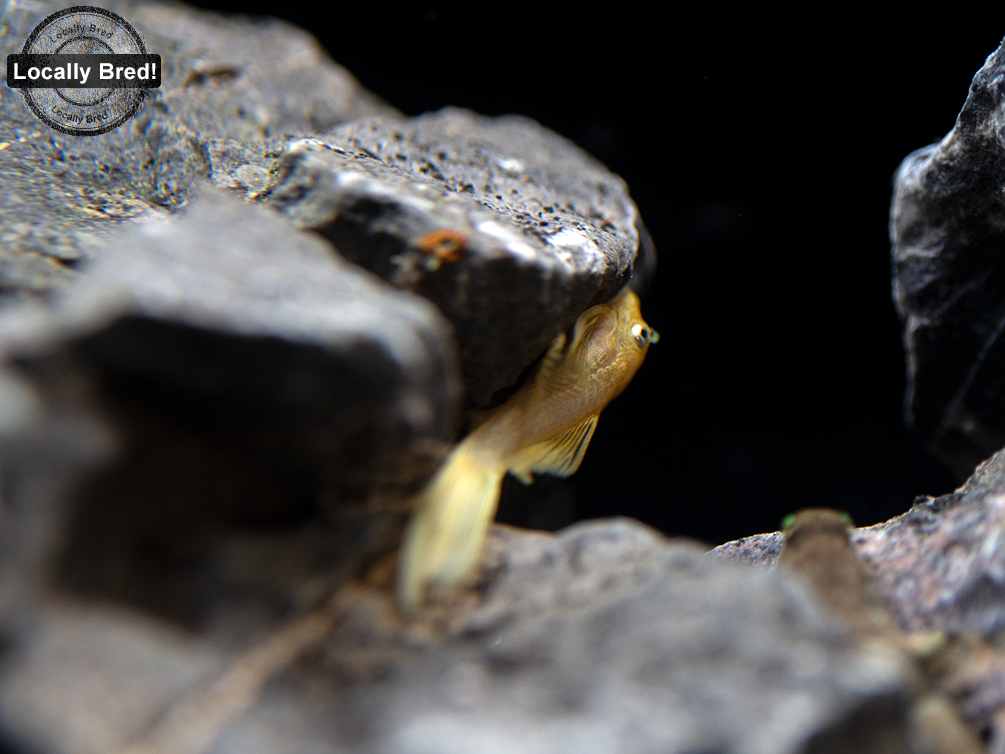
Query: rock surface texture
(928,593)
(540,230)
(220,113)
(508,228)
(949,278)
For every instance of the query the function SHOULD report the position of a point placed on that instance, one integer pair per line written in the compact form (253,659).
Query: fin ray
(560,456)
(445,536)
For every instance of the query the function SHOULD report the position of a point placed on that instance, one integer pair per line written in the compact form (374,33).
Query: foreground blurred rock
(604,638)
(250,379)
(949,278)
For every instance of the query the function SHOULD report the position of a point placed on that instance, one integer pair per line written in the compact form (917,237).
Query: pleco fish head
(614,343)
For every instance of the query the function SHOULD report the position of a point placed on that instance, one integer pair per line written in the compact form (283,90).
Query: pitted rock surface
(231,89)
(545,229)
(948,231)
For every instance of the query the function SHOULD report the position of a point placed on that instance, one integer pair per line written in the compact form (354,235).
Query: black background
(760,151)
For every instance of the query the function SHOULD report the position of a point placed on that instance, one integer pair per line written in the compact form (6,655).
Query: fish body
(545,427)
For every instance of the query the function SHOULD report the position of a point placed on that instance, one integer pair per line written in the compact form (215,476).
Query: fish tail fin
(446,533)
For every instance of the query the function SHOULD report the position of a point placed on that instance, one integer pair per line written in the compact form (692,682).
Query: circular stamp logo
(84,71)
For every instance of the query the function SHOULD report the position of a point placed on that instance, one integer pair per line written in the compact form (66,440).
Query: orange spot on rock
(444,245)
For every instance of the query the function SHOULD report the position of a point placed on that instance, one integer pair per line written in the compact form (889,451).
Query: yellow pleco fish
(544,428)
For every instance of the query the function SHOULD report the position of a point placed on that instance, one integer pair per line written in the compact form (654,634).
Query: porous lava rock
(541,230)
(231,89)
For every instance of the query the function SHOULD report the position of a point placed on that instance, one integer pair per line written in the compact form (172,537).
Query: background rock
(941,564)
(949,280)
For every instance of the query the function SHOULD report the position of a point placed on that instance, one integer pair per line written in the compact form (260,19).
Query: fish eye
(643,335)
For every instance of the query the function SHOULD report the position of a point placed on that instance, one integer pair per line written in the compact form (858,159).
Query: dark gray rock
(604,638)
(254,380)
(544,229)
(231,89)
(247,79)
(948,232)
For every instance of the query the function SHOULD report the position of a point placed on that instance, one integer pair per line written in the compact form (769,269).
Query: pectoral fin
(560,456)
